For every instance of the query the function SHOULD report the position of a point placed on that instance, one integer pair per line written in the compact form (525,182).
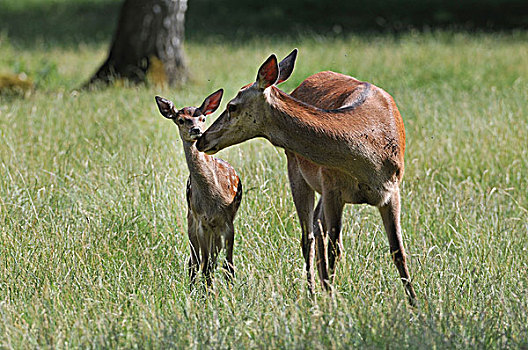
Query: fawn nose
(195,131)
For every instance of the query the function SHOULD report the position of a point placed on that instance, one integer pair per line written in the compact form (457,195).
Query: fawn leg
(194,258)
(229,268)
(206,250)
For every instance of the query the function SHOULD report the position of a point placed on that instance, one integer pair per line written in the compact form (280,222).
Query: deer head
(190,120)
(247,115)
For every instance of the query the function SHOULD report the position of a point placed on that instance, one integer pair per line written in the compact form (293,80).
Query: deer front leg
(321,257)
(194,258)
(303,198)
(206,250)
(229,268)
(390,214)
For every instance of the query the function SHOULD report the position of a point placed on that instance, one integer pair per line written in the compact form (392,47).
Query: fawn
(214,191)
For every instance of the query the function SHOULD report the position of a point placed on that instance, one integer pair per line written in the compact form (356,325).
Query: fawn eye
(180,121)
(231,108)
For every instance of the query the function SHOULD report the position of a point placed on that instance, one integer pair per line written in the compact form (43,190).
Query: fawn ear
(211,102)
(286,66)
(268,73)
(166,107)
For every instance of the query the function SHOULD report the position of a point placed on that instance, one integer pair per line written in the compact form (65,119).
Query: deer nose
(195,131)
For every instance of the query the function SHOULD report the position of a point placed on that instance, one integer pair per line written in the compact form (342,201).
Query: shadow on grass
(58,22)
(68,22)
(246,19)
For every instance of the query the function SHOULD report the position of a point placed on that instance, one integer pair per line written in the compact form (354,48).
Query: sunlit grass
(92,209)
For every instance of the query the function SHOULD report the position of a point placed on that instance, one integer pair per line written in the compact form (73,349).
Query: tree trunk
(149,36)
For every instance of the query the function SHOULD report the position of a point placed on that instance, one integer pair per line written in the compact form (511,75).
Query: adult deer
(214,190)
(343,138)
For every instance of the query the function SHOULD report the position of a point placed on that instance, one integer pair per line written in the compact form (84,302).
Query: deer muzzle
(203,145)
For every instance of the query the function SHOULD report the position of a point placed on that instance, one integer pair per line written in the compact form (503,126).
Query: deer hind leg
(303,198)
(333,212)
(390,214)
(229,268)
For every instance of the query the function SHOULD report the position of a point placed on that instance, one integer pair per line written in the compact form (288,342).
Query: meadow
(93,244)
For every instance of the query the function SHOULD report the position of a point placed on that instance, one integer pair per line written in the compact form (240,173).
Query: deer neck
(199,165)
(304,130)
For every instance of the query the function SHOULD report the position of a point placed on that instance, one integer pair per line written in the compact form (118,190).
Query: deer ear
(268,73)
(165,107)
(286,66)
(211,102)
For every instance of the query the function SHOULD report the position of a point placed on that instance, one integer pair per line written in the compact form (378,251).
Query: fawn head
(190,120)
(245,116)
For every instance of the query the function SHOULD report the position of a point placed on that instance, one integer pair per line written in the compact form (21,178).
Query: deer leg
(333,212)
(390,214)
(206,245)
(216,246)
(321,257)
(194,258)
(303,198)
(229,268)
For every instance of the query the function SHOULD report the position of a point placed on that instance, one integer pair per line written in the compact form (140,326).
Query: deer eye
(231,108)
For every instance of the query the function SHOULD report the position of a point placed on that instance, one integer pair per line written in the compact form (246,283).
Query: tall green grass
(93,242)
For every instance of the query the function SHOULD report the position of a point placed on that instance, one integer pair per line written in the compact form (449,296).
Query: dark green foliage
(69,22)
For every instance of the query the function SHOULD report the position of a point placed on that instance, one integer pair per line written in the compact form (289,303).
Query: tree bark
(149,35)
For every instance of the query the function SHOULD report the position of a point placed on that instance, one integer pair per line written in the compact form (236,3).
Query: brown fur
(390,146)
(214,192)
(343,138)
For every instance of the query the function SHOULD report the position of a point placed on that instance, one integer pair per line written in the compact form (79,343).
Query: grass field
(92,210)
